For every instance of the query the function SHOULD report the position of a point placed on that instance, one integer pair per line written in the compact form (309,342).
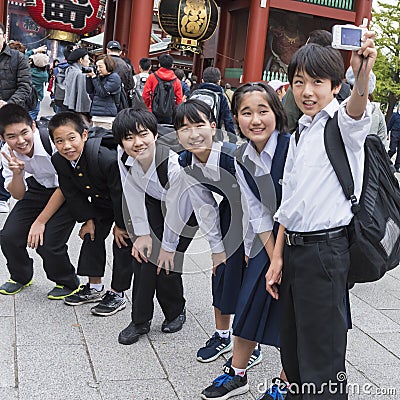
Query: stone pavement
(50,351)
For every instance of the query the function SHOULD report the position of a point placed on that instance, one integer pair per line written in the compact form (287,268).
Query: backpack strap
(227,161)
(44,135)
(161,159)
(337,155)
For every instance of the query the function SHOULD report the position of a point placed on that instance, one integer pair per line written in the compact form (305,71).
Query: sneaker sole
(106,314)
(81,302)
(255,362)
(51,297)
(224,350)
(240,390)
(17,291)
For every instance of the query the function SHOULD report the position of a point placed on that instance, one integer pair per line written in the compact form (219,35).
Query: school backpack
(209,97)
(59,86)
(140,81)
(163,105)
(374,231)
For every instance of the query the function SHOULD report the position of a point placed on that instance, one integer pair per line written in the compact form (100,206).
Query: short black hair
(66,118)
(69,48)
(272,99)
(166,61)
(13,114)
(212,75)
(318,62)
(320,36)
(179,73)
(194,110)
(130,120)
(145,63)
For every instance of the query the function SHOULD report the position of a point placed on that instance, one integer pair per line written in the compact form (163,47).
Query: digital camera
(88,70)
(347,37)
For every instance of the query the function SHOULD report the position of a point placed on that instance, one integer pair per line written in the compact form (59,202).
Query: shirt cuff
(141,229)
(217,248)
(261,225)
(168,246)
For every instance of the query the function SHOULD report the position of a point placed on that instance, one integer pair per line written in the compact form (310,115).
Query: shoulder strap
(227,157)
(161,159)
(337,155)
(44,136)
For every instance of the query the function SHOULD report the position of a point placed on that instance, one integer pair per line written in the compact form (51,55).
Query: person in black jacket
(83,175)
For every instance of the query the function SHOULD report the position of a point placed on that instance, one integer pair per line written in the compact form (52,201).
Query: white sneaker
(4,207)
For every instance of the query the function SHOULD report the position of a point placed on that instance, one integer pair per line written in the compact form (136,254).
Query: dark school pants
(167,288)
(14,235)
(394,147)
(92,257)
(314,317)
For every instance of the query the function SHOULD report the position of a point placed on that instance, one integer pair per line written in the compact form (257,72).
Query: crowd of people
(279,246)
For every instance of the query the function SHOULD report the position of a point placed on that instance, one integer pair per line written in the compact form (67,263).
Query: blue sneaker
(214,347)
(255,358)
(277,390)
(226,386)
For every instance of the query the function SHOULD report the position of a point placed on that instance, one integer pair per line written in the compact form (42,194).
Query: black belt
(300,239)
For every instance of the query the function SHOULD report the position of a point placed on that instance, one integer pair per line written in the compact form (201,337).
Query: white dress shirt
(135,185)
(312,198)
(39,165)
(260,215)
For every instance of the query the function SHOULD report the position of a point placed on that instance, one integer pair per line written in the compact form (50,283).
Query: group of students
(280,251)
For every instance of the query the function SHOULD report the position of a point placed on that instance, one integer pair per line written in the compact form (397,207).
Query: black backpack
(374,231)
(163,105)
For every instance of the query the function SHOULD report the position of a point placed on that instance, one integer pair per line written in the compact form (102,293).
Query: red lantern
(76,16)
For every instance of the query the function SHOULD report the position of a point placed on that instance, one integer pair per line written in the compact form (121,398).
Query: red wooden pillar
(122,22)
(139,34)
(256,40)
(3,12)
(363,10)
(109,23)
(198,66)
(224,44)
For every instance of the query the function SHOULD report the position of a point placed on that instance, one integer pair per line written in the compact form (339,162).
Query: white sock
(223,333)
(239,371)
(97,286)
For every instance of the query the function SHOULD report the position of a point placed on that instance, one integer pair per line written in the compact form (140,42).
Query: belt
(300,239)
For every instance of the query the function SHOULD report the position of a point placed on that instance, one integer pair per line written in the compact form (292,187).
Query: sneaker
(132,332)
(277,390)
(226,386)
(12,287)
(60,292)
(175,325)
(109,305)
(84,295)
(255,358)
(214,347)
(4,207)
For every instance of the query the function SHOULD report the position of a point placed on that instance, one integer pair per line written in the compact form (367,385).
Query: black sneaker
(12,287)
(84,295)
(109,305)
(214,347)
(226,386)
(60,292)
(255,358)
(132,332)
(277,390)
(175,325)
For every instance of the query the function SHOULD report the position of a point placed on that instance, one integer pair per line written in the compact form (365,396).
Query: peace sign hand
(15,165)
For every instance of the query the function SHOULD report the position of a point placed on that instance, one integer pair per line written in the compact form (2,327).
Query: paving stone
(8,393)
(7,343)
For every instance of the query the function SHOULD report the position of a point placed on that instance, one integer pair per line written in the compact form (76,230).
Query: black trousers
(167,288)
(14,235)
(394,147)
(314,318)
(92,258)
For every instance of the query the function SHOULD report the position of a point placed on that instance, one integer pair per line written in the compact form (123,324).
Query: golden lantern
(189,22)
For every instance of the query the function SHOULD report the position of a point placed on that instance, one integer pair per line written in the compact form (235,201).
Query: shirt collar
(213,159)
(269,148)
(305,120)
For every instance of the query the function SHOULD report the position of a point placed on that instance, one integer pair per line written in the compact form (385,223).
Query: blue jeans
(34,113)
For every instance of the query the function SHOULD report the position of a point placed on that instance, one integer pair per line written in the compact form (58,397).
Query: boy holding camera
(311,256)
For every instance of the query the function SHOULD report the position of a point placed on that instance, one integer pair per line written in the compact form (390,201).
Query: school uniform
(93,191)
(315,212)
(162,213)
(40,186)
(257,316)
(221,223)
